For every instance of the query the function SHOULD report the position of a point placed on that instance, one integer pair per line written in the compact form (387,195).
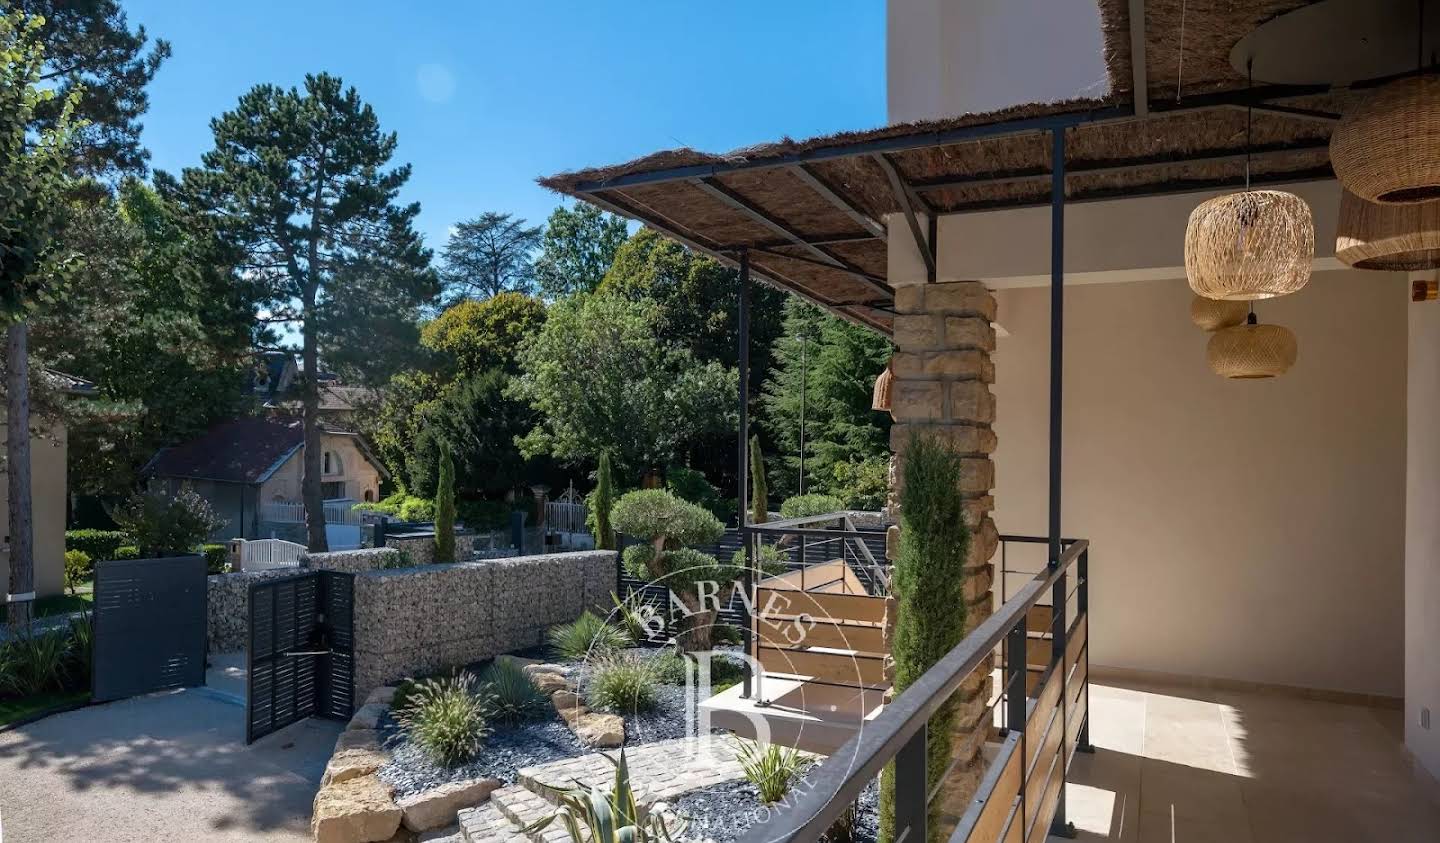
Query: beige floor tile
(1166,827)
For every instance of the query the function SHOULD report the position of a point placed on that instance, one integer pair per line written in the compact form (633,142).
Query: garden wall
(422,548)
(425,619)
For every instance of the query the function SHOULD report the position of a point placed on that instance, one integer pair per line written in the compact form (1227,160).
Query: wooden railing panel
(1072,730)
(1045,812)
(1076,642)
(1045,705)
(1039,618)
(1001,803)
(838,635)
(1045,758)
(837,668)
(780,603)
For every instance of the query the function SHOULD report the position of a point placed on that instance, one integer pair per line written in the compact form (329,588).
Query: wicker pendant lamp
(1251,351)
(1387,149)
(1252,245)
(880,400)
(1395,238)
(1214,314)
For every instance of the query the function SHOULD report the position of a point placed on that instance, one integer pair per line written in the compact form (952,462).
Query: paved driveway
(165,767)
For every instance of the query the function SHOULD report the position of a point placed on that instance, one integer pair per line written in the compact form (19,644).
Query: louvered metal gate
(149,631)
(300,659)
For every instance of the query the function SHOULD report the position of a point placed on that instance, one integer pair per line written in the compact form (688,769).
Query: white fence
(565,517)
(293,512)
(269,554)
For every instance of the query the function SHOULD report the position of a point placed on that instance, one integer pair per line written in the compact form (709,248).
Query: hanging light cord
(1180,70)
(1249,114)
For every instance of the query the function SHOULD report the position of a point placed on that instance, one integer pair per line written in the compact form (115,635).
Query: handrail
(834,786)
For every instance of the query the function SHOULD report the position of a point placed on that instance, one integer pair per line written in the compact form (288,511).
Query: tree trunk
(17,470)
(310,398)
(699,626)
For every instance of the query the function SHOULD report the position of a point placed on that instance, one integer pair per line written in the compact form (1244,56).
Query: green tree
(90,52)
(602,380)
(32,266)
(300,183)
(837,362)
(602,500)
(478,422)
(476,335)
(929,590)
(489,255)
(445,508)
(577,249)
(759,491)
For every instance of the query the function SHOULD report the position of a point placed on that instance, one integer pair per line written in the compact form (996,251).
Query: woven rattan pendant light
(1256,244)
(1251,351)
(1395,238)
(880,400)
(1214,314)
(1387,149)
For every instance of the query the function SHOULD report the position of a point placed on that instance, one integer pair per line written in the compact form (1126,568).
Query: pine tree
(759,496)
(445,508)
(299,184)
(604,500)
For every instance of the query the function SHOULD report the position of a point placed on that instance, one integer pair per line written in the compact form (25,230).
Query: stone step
(485,824)
(522,807)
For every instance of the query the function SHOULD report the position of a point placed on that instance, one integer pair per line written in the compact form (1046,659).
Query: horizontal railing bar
(814,531)
(836,783)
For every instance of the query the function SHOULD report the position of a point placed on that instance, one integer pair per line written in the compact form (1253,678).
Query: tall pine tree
(300,182)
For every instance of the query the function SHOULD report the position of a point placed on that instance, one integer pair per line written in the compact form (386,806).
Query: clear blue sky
(487,95)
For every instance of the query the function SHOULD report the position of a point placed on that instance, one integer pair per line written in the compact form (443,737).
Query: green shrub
(79,568)
(724,673)
(445,508)
(37,663)
(593,815)
(599,506)
(771,768)
(97,544)
(631,618)
(690,485)
(862,484)
(480,514)
(668,667)
(217,558)
(759,492)
(389,505)
(167,526)
(772,558)
(724,633)
(127,551)
(804,506)
(417,509)
(513,697)
(587,636)
(82,649)
(623,684)
(447,718)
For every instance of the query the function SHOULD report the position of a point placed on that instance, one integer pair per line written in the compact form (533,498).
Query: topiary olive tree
(669,524)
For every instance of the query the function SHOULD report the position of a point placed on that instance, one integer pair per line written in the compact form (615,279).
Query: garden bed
(722,813)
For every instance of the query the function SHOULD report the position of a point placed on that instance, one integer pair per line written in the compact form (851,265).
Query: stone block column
(942,374)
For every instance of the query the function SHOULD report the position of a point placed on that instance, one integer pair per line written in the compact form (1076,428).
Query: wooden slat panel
(779,603)
(1049,750)
(1039,618)
(1037,651)
(1015,832)
(863,638)
(1040,824)
(1072,731)
(1078,677)
(1047,701)
(1076,643)
(1000,804)
(840,668)
(810,577)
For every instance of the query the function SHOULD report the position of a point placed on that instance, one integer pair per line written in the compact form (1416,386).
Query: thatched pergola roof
(809,212)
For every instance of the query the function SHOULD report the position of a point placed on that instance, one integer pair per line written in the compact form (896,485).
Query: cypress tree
(604,499)
(929,591)
(759,494)
(445,508)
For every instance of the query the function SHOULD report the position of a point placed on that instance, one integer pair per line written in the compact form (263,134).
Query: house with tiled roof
(250,469)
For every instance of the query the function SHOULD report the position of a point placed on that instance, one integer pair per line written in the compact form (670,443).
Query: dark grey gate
(149,619)
(300,654)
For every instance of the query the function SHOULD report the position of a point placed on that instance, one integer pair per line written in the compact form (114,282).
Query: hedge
(97,544)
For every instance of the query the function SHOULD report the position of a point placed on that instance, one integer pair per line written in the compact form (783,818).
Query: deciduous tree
(577,249)
(302,184)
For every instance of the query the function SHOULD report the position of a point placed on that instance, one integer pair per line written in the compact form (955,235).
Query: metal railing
(293,512)
(898,734)
(823,544)
(269,554)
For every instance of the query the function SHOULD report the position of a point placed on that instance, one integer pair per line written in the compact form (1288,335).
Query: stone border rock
(354,805)
(594,729)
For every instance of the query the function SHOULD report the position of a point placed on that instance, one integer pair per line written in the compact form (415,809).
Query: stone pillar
(943,371)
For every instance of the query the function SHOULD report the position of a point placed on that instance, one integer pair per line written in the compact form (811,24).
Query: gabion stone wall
(426,619)
(228,612)
(353,561)
(422,550)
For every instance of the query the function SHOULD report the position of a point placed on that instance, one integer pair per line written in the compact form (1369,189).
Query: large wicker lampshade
(1387,148)
(880,400)
(1251,351)
(1214,314)
(1395,238)
(1257,244)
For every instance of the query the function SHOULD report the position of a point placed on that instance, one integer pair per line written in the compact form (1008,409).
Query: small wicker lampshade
(1252,245)
(1214,314)
(1387,149)
(1251,351)
(881,398)
(1396,238)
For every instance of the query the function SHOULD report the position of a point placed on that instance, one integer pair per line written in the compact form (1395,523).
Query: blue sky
(486,95)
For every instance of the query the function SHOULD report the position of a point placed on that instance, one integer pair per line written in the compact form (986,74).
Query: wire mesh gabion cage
(1387,148)
(1392,238)
(1251,351)
(1257,244)
(1214,314)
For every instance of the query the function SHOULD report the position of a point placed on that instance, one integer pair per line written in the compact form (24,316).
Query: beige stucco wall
(358,474)
(1422,537)
(1245,530)
(47,491)
(944,58)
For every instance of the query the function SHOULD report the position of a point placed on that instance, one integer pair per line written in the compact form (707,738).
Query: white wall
(1243,530)
(945,58)
(1422,537)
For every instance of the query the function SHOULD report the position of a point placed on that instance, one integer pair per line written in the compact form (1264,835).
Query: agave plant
(594,815)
